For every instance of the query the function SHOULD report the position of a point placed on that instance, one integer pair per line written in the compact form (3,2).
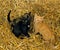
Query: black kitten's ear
(8,16)
(29,13)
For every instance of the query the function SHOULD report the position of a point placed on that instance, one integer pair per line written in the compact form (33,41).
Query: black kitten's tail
(8,16)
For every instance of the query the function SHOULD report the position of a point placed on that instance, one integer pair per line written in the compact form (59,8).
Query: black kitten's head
(26,18)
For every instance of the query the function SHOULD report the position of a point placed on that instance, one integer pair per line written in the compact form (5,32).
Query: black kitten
(21,25)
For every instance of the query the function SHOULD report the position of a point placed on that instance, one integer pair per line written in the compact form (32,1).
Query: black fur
(22,26)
